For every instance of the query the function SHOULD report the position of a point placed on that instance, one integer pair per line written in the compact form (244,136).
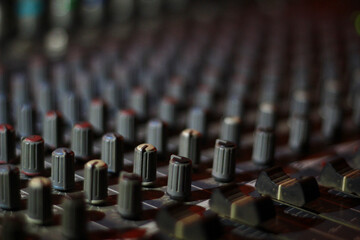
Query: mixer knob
(73,220)
(32,155)
(112,151)
(70,107)
(231,129)
(126,125)
(300,103)
(224,161)
(46,98)
(39,201)
(95,182)
(63,169)
(26,120)
(234,107)
(299,133)
(98,115)
(264,146)
(266,117)
(145,158)
(189,145)
(53,129)
(129,197)
(4,109)
(331,122)
(198,120)
(139,102)
(10,187)
(82,140)
(168,111)
(7,144)
(157,136)
(179,179)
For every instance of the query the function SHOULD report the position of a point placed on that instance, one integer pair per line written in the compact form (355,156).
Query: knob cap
(10,187)
(157,136)
(7,144)
(39,201)
(168,111)
(98,115)
(198,120)
(266,116)
(95,182)
(129,198)
(26,120)
(32,155)
(300,103)
(70,107)
(139,102)
(179,179)
(224,161)
(112,151)
(126,125)
(264,146)
(145,158)
(231,130)
(53,129)
(82,140)
(46,98)
(189,146)
(73,220)
(63,169)
(234,107)
(299,133)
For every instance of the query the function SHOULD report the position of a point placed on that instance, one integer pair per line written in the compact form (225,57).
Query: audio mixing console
(179,119)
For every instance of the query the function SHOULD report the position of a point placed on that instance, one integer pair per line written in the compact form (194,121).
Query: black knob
(224,161)
(95,182)
(112,151)
(73,219)
(145,158)
(189,145)
(32,155)
(82,140)
(10,187)
(179,179)
(39,206)
(7,144)
(129,197)
(63,169)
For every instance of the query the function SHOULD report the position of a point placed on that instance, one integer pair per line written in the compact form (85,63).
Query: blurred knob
(198,120)
(26,121)
(300,103)
(266,117)
(70,107)
(139,102)
(10,187)
(98,115)
(332,117)
(95,182)
(224,161)
(299,133)
(39,206)
(112,151)
(4,109)
(129,197)
(179,179)
(264,146)
(231,129)
(32,155)
(82,140)
(145,158)
(7,144)
(63,169)
(157,136)
(168,111)
(189,145)
(53,129)
(73,220)
(126,125)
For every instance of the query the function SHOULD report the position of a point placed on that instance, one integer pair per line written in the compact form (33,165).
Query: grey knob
(234,107)
(46,98)
(266,117)
(7,144)
(111,95)
(13,227)
(224,161)
(32,155)
(204,97)
(179,179)
(126,125)
(139,102)
(129,197)
(231,129)
(332,117)
(95,182)
(299,133)
(300,103)
(198,120)
(82,140)
(177,90)
(145,158)
(53,129)
(189,145)
(168,111)
(19,92)
(157,136)
(264,146)
(112,151)
(63,169)
(10,187)
(26,120)
(73,219)
(39,205)
(70,107)
(4,109)
(98,115)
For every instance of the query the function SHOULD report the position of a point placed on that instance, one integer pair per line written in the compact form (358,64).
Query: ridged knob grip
(32,155)
(10,187)
(264,147)
(63,169)
(82,140)
(231,130)
(112,151)
(224,161)
(7,144)
(95,182)
(189,145)
(179,178)
(129,198)
(53,129)
(145,158)
(157,135)
(126,125)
